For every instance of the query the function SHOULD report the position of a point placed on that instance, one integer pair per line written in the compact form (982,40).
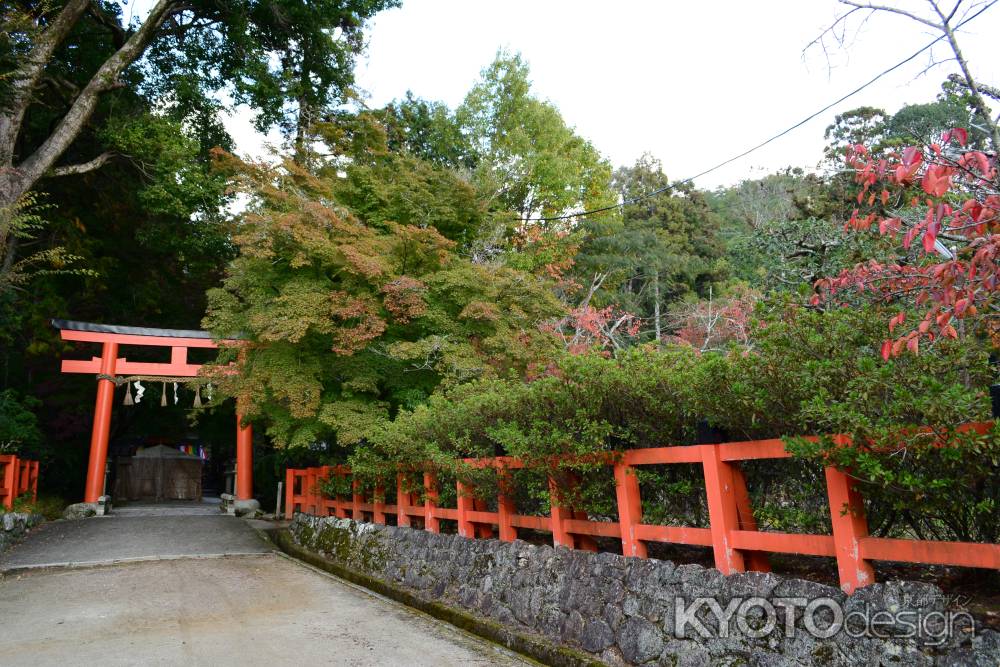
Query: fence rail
(736,542)
(17,477)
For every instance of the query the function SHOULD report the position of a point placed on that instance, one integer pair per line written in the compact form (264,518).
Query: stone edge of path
(528,645)
(77,565)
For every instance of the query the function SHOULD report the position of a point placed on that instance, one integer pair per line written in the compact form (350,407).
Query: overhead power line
(753,149)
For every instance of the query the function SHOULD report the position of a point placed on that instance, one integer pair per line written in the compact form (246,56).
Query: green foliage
(528,160)
(50,507)
(809,372)
(347,319)
(661,250)
(20,224)
(429,131)
(176,183)
(385,185)
(19,432)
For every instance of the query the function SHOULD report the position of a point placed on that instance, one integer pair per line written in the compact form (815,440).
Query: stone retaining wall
(629,611)
(13,526)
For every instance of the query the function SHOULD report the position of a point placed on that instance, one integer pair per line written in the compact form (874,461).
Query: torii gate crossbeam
(110,364)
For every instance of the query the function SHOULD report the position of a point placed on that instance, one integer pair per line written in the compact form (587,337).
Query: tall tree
(272,54)
(662,249)
(350,317)
(528,159)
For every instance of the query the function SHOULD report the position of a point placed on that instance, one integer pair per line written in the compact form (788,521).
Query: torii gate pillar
(244,459)
(102,426)
(109,364)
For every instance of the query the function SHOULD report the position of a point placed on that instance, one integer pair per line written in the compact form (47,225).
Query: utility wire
(797,125)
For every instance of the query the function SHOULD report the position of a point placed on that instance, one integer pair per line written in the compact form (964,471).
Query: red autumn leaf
(913,345)
(886,349)
(912,155)
(959,134)
(936,181)
(930,236)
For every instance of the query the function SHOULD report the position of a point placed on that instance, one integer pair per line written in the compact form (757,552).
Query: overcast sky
(693,83)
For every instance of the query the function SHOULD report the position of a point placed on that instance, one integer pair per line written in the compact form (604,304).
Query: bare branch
(118,35)
(106,78)
(989,91)
(893,10)
(83,167)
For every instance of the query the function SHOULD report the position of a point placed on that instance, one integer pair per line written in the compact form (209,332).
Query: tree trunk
(656,305)
(17,179)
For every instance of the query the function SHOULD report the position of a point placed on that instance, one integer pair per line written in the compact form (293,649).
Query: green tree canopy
(349,317)
(528,160)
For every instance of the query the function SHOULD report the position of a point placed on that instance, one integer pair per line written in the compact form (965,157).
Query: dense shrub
(808,372)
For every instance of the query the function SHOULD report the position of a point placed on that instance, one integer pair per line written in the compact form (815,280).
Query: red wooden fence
(17,477)
(733,535)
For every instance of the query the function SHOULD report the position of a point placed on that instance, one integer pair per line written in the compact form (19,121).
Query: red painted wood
(484,527)
(557,519)
(847,516)
(963,554)
(656,455)
(465,526)
(132,339)
(8,489)
(788,543)
(289,498)
(721,510)
(342,508)
(244,459)
(583,527)
(753,450)
(431,522)
(733,534)
(531,522)
(378,505)
(629,510)
(357,513)
(755,560)
(102,426)
(402,501)
(674,534)
(506,510)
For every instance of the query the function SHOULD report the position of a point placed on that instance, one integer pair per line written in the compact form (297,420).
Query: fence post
(506,508)
(629,509)
(559,514)
(321,475)
(289,493)
(339,501)
(9,480)
(755,560)
(309,493)
(722,512)
(847,516)
(464,504)
(402,502)
(431,522)
(356,499)
(378,505)
(483,531)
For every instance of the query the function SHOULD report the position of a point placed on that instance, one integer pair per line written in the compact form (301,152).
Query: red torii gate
(110,364)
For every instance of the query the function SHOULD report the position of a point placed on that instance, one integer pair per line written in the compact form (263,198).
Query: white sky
(693,82)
